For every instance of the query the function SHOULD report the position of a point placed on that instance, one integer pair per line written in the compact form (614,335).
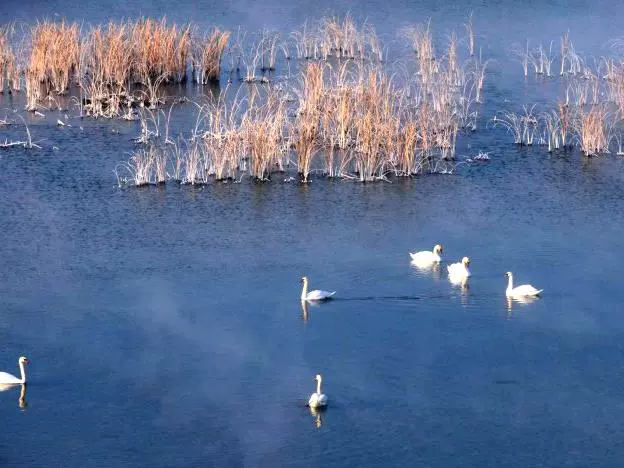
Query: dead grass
(207,54)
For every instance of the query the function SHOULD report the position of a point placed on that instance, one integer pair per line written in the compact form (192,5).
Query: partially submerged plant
(207,54)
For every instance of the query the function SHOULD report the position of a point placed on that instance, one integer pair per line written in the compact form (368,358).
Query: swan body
(318,399)
(315,295)
(524,290)
(459,270)
(425,257)
(7,380)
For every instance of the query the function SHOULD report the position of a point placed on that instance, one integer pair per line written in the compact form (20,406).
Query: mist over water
(164,326)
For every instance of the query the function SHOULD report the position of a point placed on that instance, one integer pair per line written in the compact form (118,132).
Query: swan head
(465,261)
(438,249)
(23,360)
(508,274)
(318,377)
(304,279)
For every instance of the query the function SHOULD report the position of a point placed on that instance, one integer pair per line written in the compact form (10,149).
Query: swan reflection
(305,309)
(461,282)
(520,300)
(21,400)
(317,413)
(432,269)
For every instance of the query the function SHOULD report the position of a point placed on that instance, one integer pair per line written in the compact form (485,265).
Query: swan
(316,295)
(317,399)
(426,257)
(459,270)
(524,290)
(7,380)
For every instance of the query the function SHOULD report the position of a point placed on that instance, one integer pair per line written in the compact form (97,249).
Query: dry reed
(207,54)
(9,77)
(54,55)
(593,130)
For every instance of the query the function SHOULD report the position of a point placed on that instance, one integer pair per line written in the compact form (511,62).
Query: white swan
(7,380)
(524,290)
(316,295)
(458,271)
(317,399)
(426,258)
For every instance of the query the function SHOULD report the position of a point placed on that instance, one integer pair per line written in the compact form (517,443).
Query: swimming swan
(459,270)
(316,295)
(7,380)
(426,258)
(524,290)
(317,399)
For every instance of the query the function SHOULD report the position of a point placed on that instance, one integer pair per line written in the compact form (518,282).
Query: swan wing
(424,259)
(458,270)
(317,400)
(525,290)
(423,256)
(9,379)
(318,295)
(313,401)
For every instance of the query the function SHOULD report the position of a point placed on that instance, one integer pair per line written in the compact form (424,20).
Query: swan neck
(23,372)
(510,283)
(304,291)
(318,386)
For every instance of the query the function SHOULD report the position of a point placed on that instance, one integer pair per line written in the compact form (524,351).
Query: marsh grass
(345,116)
(9,76)
(116,66)
(208,51)
(54,55)
(593,129)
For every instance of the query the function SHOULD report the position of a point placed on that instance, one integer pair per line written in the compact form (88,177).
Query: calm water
(164,326)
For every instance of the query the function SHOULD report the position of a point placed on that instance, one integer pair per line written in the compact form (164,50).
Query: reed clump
(116,66)
(207,54)
(334,38)
(9,76)
(593,130)
(106,62)
(264,132)
(159,50)
(54,55)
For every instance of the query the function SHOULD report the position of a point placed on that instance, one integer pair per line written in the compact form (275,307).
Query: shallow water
(164,326)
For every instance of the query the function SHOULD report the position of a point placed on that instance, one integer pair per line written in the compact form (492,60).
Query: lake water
(164,325)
